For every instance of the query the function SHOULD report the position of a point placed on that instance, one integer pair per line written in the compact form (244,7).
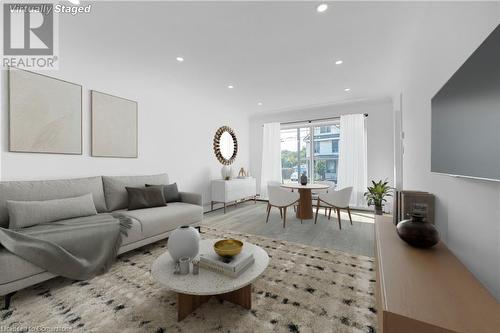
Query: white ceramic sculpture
(183,242)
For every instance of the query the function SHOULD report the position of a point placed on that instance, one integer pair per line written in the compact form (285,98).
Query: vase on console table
(226,172)
(183,242)
(417,232)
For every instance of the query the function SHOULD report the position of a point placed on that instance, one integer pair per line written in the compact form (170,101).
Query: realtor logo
(28,29)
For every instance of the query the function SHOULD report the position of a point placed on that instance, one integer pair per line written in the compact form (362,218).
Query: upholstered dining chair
(280,198)
(336,200)
(315,193)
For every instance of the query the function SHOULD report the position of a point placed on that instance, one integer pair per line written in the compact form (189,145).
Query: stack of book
(237,265)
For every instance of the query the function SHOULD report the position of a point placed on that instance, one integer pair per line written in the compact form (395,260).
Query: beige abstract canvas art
(45,114)
(114,126)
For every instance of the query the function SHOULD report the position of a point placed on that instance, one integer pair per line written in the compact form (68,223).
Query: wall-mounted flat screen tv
(466,116)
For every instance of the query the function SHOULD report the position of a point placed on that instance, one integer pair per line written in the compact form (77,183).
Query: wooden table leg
(186,304)
(241,297)
(305,212)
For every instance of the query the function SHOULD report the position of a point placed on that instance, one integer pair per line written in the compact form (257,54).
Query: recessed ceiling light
(322,8)
(347,89)
(179,59)
(75,2)
(230,86)
(259,104)
(339,62)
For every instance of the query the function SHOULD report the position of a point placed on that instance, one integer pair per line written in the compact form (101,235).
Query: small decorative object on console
(242,173)
(226,172)
(303,179)
(184,242)
(418,232)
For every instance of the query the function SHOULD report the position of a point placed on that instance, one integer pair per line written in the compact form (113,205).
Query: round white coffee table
(194,290)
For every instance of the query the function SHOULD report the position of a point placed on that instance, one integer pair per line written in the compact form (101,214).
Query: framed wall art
(114,126)
(45,114)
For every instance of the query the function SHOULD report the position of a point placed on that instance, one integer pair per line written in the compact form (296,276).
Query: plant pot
(183,242)
(418,232)
(378,210)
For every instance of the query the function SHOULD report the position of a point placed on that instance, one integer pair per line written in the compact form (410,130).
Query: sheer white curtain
(271,156)
(352,169)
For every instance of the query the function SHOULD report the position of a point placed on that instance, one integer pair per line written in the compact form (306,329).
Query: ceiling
(281,54)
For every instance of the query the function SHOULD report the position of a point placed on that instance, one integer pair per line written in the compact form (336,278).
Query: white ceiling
(279,53)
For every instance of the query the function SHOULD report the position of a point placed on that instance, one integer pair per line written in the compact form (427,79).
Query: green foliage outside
(320,170)
(289,164)
(289,158)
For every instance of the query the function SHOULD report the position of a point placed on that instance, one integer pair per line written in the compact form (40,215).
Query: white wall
(177,122)
(468,211)
(379,132)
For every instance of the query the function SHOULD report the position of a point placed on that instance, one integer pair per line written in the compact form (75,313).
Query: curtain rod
(310,121)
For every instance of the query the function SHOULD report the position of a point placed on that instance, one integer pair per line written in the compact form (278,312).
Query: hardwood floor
(250,217)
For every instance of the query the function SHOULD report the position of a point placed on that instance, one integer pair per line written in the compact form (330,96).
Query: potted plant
(376,195)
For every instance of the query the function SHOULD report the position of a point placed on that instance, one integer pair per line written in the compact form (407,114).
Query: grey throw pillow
(145,197)
(28,213)
(171,192)
(115,192)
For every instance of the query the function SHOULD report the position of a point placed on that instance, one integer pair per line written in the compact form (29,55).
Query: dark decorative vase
(378,210)
(303,179)
(418,232)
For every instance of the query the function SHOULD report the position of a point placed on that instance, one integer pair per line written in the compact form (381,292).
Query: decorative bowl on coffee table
(228,248)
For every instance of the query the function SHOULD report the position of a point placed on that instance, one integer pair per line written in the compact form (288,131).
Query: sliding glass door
(315,154)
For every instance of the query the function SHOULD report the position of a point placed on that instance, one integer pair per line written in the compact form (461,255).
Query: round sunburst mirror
(225,145)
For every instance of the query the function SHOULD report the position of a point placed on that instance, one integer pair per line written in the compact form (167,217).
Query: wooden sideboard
(427,290)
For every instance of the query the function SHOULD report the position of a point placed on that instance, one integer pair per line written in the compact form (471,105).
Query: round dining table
(305,211)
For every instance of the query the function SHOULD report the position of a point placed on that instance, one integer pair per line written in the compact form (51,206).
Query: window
(295,146)
(324,129)
(297,143)
(325,161)
(316,147)
(335,146)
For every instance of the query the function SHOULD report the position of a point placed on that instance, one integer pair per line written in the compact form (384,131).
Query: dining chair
(280,198)
(331,187)
(336,200)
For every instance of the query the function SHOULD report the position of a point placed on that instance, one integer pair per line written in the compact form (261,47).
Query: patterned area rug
(304,289)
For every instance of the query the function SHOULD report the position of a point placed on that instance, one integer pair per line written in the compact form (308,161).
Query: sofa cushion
(145,197)
(49,189)
(23,214)
(170,192)
(155,221)
(115,192)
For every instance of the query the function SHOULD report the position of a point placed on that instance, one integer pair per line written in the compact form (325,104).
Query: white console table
(233,190)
